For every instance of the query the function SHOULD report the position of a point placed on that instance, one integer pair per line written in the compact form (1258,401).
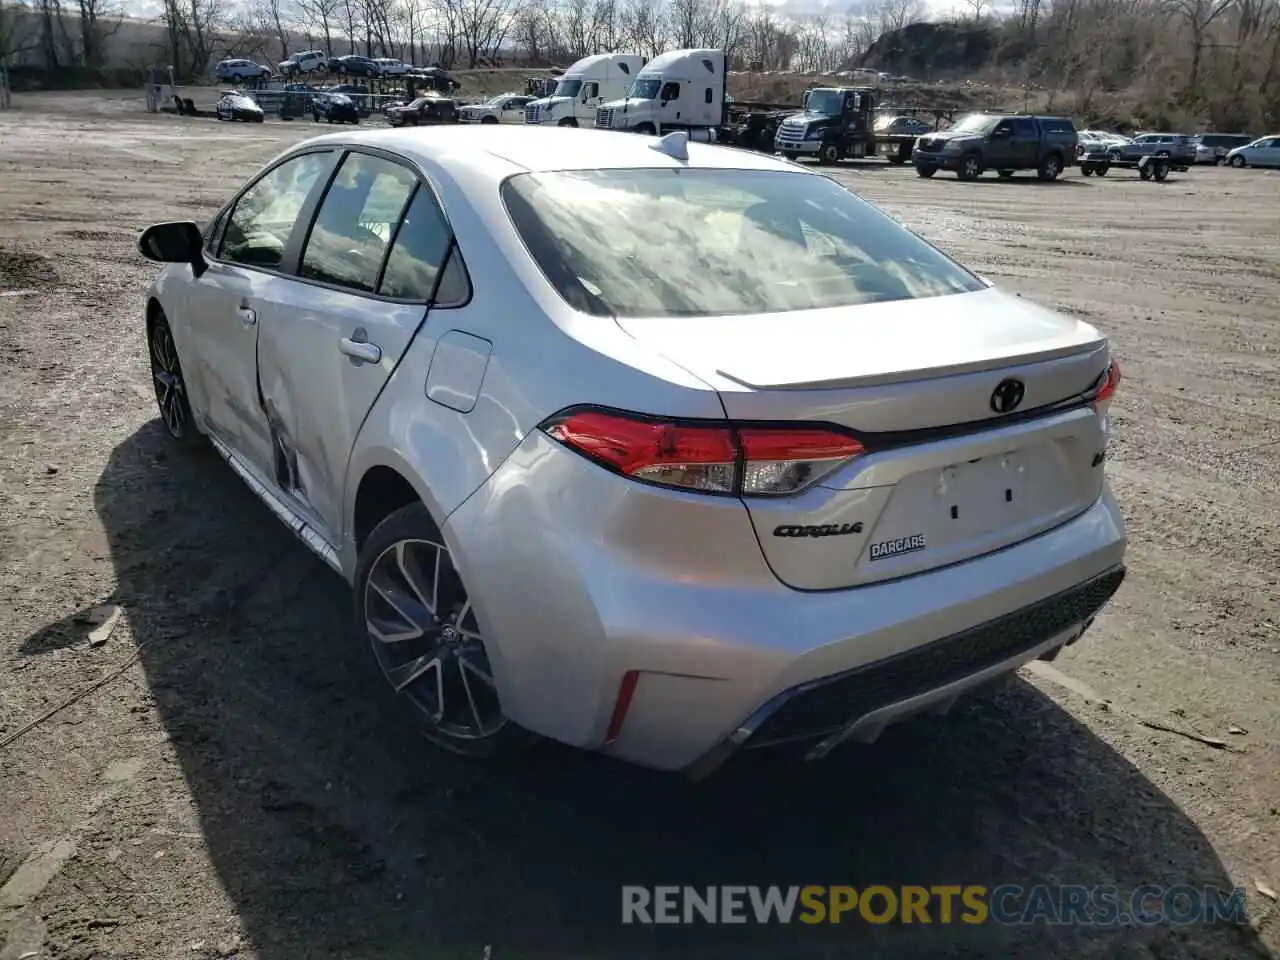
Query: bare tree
(322,15)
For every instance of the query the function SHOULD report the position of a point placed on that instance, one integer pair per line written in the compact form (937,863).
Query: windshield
(568,88)
(973,123)
(827,102)
(663,243)
(645,88)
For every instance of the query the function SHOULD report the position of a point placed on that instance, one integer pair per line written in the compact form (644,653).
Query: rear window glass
(658,243)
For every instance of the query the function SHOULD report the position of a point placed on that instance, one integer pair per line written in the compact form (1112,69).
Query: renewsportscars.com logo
(1008,904)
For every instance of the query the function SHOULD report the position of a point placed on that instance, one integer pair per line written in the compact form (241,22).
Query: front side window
(655,243)
(1023,128)
(263,218)
(354,224)
(670,91)
(591,90)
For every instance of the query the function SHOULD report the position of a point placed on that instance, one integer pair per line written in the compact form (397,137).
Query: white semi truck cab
(583,87)
(680,90)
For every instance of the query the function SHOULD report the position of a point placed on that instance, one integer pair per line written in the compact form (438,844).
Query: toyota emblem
(1007,395)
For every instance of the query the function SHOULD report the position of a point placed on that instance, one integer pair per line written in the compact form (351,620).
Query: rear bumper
(859,704)
(579,578)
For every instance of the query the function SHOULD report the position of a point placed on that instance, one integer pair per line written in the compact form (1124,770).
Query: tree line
(1164,61)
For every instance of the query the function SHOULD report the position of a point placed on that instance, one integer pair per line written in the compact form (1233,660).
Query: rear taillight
(1102,400)
(708,457)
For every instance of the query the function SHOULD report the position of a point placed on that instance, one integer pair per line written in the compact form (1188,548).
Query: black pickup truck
(1006,144)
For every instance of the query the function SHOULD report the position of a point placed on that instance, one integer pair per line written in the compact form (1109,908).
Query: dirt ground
(229,787)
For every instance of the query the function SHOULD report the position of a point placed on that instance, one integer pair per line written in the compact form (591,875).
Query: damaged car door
(367,271)
(251,255)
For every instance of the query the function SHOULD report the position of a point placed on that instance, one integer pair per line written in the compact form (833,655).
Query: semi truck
(583,87)
(679,90)
(835,123)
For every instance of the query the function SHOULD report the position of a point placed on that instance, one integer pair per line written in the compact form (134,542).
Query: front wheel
(415,611)
(170,388)
(567,122)
(647,129)
(1237,161)
(488,119)
(1162,169)
(970,167)
(829,153)
(925,172)
(1102,170)
(1086,171)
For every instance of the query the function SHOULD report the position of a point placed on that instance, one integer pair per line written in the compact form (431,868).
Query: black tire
(488,119)
(1162,169)
(414,526)
(829,153)
(567,122)
(1006,174)
(901,157)
(315,117)
(1102,170)
(170,387)
(647,129)
(1086,171)
(970,167)
(1050,168)
(1239,162)
(925,172)
(259,118)
(1145,171)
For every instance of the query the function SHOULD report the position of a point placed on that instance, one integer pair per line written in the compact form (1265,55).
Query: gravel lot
(233,789)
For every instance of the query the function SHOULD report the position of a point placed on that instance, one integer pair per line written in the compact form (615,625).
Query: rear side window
(419,252)
(667,243)
(353,228)
(263,218)
(1058,126)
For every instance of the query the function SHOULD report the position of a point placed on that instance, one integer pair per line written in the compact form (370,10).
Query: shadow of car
(330,825)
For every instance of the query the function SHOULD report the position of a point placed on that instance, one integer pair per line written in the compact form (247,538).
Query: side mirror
(179,241)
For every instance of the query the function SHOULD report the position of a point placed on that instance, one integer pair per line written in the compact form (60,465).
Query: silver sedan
(656,448)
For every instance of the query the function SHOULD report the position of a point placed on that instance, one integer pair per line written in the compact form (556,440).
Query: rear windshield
(662,243)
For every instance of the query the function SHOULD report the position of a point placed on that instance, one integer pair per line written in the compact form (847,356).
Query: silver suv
(657,448)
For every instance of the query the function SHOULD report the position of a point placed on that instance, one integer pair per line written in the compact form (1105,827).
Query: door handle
(361,350)
(248,316)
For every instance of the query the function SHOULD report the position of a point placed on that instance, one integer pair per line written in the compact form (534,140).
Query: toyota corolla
(656,448)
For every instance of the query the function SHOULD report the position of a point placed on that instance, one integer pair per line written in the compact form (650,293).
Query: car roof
(458,150)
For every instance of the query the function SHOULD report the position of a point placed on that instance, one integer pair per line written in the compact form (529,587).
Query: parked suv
(986,141)
(1178,148)
(358,66)
(232,70)
(1214,147)
(309,61)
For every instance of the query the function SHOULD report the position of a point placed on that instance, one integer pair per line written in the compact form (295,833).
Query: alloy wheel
(166,373)
(427,643)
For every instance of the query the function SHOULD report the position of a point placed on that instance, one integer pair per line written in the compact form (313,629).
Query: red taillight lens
(1108,388)
(710,457)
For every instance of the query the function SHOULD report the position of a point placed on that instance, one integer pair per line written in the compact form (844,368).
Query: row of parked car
(1232,149)
(239,70)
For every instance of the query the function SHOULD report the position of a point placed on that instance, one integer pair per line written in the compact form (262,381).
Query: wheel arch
(379,482)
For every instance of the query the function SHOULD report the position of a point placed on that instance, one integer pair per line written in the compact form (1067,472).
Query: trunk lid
(946,476)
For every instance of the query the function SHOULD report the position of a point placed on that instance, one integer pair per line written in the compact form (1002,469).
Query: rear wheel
(1086,171)
(567,122)
(970,167)
(1162,169)
(1050,167)
(415,611)
(1145,171)
(1102,170)
(925,172)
